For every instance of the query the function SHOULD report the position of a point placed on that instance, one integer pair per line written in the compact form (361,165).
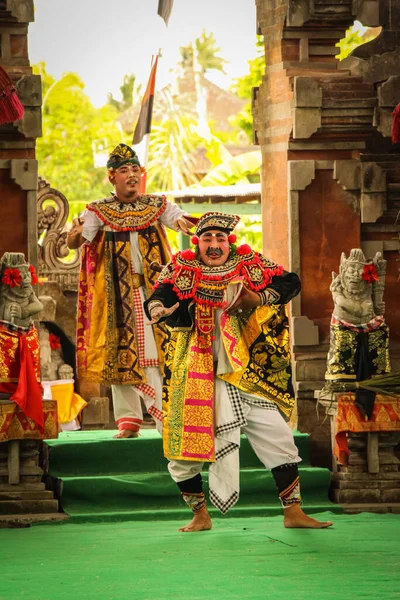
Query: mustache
(217,251)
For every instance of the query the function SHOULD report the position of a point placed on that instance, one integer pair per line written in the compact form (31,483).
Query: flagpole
(143,126)
(147,136)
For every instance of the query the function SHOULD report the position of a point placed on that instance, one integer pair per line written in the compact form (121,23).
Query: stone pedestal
(371,480)
(97,413)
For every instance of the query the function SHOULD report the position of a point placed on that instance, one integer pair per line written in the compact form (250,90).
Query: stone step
(350,83)
(27,506)
(333,2)
(380,158)
(19,521)
(351,101)
(22,487)
(373,507)
(26,495)
(366,495)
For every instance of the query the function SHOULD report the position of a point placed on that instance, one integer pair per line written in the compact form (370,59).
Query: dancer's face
(126,181)
(214,247)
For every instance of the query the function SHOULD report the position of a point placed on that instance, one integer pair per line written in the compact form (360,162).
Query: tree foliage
(242,86)
(173,142)
(130,93)
(234,170)
(355,36)
(207,54)
(70,126)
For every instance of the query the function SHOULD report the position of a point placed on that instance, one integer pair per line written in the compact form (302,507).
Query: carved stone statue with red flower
(18,301)
(359,336)
(19,343)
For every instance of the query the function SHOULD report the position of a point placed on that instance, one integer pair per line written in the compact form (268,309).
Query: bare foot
(201,521)
(294,517)
(126,433)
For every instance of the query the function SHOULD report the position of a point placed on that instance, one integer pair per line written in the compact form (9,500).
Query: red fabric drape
(28,394)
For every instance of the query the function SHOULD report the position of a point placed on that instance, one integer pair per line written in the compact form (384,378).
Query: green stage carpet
(105,479)
(240,559)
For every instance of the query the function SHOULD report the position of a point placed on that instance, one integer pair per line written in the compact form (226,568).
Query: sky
(103,40)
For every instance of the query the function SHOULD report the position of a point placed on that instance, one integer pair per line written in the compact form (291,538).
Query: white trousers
(269,435)
(128,412)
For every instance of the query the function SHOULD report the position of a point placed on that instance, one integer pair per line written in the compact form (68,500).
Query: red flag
(165,9)
(143,125)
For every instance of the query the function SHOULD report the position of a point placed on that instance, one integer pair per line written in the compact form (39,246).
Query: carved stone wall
(330,174)
(18,167)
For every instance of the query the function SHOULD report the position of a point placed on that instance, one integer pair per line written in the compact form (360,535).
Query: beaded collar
(206,285)
(129,216)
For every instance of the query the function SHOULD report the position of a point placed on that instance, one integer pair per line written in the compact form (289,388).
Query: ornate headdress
(357,257)
(214,220)
(122,155)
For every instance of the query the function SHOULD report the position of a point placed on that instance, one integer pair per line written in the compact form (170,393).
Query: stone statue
(359,336)
(52,364)
(18,301)
(358,289)
(19,343)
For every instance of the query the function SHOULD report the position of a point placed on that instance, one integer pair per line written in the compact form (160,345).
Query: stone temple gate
(330,173)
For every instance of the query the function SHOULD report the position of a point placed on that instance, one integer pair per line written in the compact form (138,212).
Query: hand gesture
(74,237)
(183,225)
(380,264)
(159,311)
(77,226)
(247,300)
(15,311)
(336,285)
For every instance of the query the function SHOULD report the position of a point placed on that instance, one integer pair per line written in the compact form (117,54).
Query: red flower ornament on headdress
(34,276)
(370,273)
(243,249)
(54,341)
(188,254)
(12,278)
(232,238)
(195,240)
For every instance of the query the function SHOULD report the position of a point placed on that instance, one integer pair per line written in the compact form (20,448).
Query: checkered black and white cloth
(231,408)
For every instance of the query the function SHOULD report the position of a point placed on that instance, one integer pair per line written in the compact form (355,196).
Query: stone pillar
(330,180)
(18,167)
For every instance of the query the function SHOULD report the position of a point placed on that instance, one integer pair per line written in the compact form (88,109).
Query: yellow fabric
(69,404)
(272,354)
(159,254)
(98,317)
(188,423)
(107,350)
(258,362)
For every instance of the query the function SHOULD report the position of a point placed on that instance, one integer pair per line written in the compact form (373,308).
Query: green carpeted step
(96,452)
(157,492)
(181,513)
(123,479)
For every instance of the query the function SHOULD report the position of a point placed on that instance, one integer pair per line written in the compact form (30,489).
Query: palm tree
(129,92)
(173,142)
(206,51)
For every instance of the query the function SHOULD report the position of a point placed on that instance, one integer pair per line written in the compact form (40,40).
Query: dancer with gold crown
(121,236)
(227,369)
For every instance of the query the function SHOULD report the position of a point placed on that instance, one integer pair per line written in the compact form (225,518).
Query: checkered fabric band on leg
(195,501)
